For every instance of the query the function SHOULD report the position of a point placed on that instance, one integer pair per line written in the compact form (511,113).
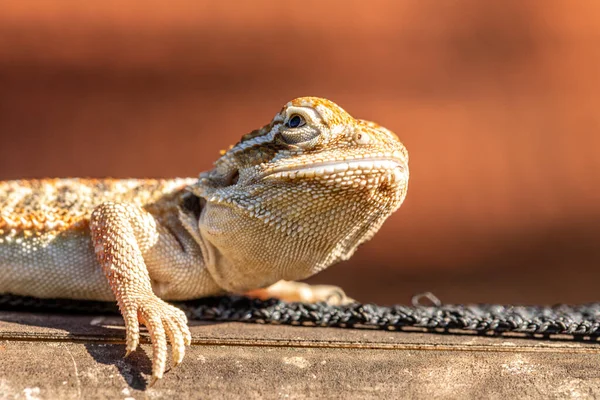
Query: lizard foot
(330,294)
(162,320)
(303,292)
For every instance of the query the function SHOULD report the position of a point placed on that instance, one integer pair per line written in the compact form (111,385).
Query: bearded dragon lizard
(288,200)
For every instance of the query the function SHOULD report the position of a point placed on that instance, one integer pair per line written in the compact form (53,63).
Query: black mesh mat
(580,320)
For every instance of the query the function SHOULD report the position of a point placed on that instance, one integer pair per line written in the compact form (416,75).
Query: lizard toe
(176,339)
(182,327)
(164,321)
(132,330)
(158,338)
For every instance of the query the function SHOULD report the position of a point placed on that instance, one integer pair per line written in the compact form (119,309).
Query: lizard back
(44,231)
(37,207)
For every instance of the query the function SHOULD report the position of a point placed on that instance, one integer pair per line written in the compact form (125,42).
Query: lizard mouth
(363,166)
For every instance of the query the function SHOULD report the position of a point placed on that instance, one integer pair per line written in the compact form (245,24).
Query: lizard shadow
(132,368)
(103,337)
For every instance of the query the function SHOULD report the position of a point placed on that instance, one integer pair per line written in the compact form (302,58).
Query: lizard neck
(243,253)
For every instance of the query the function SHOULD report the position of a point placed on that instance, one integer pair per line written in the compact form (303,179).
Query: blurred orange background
(497,103)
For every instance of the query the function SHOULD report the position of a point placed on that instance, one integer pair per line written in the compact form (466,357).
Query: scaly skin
(287,201)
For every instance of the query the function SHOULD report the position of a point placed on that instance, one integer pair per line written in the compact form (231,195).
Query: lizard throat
(344,167)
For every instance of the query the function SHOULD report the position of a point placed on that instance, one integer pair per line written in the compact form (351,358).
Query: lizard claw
(152,381)
(162,321)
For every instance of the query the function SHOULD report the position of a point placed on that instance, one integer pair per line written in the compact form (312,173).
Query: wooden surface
(81,357)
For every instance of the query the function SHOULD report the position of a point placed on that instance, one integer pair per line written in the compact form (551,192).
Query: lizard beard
(269,235)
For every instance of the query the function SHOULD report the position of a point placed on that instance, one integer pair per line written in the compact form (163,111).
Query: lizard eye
(295,121)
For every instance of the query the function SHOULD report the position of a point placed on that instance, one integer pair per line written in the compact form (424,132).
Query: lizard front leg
(292,291)
(121,232)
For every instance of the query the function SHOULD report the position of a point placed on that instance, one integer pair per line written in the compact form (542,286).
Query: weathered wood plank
(54,356)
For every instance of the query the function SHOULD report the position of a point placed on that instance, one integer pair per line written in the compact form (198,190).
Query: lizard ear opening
(234,178)
(193,204)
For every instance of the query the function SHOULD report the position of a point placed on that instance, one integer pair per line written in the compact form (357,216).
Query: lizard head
(298,194)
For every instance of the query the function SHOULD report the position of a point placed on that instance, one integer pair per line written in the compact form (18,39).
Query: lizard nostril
(362,138)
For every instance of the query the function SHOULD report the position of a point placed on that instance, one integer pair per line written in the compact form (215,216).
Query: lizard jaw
(362,166)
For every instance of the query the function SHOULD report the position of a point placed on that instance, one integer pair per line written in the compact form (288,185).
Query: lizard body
(287,201)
